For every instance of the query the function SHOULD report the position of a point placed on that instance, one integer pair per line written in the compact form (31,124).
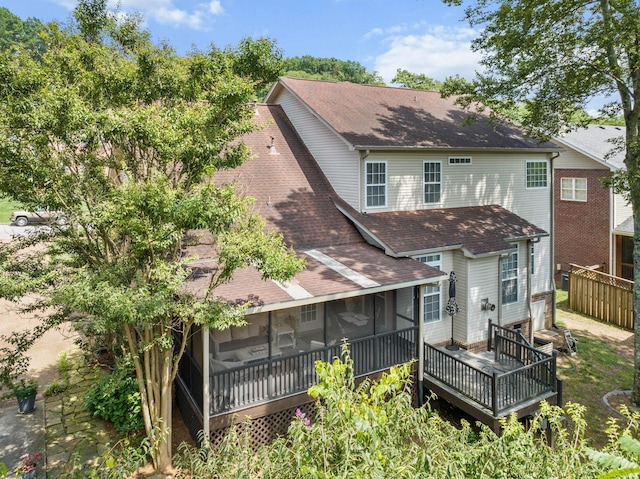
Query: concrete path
(20,434)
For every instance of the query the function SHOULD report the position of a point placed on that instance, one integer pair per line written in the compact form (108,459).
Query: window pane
(432,182)
(510,278)
(376,184)
(536,174)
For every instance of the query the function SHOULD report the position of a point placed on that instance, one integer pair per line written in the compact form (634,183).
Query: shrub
(56,387)
(115,397)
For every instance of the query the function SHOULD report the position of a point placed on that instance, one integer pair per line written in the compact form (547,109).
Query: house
(583,204)
(384,193)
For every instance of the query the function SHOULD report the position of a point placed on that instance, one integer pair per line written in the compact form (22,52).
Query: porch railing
(274,378)
(518,375)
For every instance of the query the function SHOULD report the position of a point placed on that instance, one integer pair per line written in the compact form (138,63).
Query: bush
(371,430)
(115,397)
(56,387)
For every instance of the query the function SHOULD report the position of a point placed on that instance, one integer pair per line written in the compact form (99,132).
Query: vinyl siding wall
(437,332)
(338,162)
(622,210)
(490,179)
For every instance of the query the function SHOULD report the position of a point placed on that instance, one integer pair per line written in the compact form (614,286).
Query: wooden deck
(513,378)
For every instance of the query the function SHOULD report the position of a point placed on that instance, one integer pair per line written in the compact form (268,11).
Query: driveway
(8,231)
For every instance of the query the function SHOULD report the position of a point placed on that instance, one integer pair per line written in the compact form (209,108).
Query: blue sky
(422,36)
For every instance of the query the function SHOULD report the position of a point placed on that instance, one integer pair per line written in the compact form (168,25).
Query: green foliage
(115,397)
(372,430)
(420,81)
(56,387)
(21,33)
(64,364)
(23,389)
(125,136)
(330,69)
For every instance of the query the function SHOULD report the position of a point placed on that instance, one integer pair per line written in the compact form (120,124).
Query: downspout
(612,236)
(206,380)
(529,246)
(421,345)
(552,240)
(500,289)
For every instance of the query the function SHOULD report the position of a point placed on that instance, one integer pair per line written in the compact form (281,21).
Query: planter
(25,406)
(28,475)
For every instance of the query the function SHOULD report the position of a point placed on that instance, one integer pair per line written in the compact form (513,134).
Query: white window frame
(431,292)
(510,276)
(532,259)
(531,182)
(308,313)
(460,160)
(425,183)
(375,185)
(572,189)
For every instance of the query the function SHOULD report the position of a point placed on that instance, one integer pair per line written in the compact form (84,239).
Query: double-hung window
(432,295)
(510,278)
(573,189)
(432,181)
(308,313)
(537,174)
(376,183)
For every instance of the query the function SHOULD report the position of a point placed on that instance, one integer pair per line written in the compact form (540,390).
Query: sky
(421,36)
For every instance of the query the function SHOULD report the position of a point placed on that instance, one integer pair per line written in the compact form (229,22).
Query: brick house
(593,226)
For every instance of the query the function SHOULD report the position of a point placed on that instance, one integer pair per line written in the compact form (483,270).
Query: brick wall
(582,228)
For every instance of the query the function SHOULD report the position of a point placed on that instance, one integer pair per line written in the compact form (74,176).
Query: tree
(330,69)
(124,136)
(19,32)
(555,56)
(418,81)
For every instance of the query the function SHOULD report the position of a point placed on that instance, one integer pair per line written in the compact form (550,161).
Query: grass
(597,369)
(6,207)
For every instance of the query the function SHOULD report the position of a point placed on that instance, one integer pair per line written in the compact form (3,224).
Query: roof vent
(255,108)
(272,148)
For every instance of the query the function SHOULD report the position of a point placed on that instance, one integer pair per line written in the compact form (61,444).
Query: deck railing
(278,377)
(518,375)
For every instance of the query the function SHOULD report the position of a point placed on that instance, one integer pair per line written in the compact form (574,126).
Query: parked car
(23,218)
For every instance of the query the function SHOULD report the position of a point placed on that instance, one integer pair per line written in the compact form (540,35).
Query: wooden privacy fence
(605,297)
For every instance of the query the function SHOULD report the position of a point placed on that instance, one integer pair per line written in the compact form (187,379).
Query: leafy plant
(372,430)
(115,397)
(25,389)
(56,387)
(28,462)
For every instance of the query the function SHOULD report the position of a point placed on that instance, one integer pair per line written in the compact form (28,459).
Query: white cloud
(215,7)
(436,51)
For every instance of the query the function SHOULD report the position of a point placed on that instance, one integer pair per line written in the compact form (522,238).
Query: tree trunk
(636,303)
(163,458)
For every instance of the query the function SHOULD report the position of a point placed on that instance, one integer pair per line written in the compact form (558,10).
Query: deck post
(420,344)
(490,342)
(206,381)
(494,392)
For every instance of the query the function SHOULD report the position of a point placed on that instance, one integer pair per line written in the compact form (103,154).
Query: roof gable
(599,143)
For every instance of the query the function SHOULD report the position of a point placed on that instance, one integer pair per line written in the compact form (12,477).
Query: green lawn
(6,207)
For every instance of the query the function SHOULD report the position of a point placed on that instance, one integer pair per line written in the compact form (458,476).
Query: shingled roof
(476,230)
(295,197)
(370,117)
